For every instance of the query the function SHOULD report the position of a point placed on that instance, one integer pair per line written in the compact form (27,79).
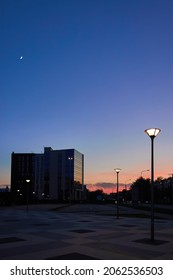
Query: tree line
(140,191)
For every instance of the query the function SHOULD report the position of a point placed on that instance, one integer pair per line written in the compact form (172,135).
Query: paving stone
(10,239)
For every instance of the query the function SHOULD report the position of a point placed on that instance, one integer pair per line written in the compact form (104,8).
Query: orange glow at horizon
(107,190)
(106,181)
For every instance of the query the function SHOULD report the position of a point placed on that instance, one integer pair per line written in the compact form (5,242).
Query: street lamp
(125,183)
(117,170)
(152,133)
(144,171)
(27,194)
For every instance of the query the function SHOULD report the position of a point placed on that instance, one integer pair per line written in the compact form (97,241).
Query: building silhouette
(52,175)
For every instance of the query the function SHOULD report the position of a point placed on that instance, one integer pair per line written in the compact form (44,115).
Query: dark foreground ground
(82,231)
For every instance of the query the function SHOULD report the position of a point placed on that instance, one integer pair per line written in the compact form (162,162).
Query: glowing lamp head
(152,132)
(117,170)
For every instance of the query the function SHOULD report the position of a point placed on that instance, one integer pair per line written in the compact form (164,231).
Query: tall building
(22,176)
(52,175)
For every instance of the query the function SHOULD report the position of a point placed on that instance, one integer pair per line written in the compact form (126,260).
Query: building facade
(52,175)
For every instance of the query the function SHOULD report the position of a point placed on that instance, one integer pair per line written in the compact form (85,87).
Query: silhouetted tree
(163,190)
(141,190)
(93,195)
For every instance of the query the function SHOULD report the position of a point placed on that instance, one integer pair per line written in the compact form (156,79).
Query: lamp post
(152,133)
(27,194)
(144,171)
(117,171)
(125,183)
(125,189)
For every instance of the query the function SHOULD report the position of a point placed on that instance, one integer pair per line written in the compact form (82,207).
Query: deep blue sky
(94,75)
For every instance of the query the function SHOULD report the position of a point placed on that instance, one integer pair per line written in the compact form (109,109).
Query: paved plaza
(81,232)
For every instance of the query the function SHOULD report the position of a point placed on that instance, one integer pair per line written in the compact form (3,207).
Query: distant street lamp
(144,171)
(152,133)
(117,171)
(125,183)
(27,194)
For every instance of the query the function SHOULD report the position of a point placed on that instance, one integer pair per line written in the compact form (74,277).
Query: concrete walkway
(81,232)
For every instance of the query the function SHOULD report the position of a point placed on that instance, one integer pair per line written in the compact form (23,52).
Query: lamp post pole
(152,133)
(152,189)
(117,171)
(27,194)
(125,184)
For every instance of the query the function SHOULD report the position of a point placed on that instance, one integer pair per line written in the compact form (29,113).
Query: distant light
(21,57)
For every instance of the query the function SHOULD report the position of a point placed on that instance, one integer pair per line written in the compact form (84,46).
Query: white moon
(21,57)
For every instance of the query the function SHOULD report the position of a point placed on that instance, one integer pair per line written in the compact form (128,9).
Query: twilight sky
(94,75)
